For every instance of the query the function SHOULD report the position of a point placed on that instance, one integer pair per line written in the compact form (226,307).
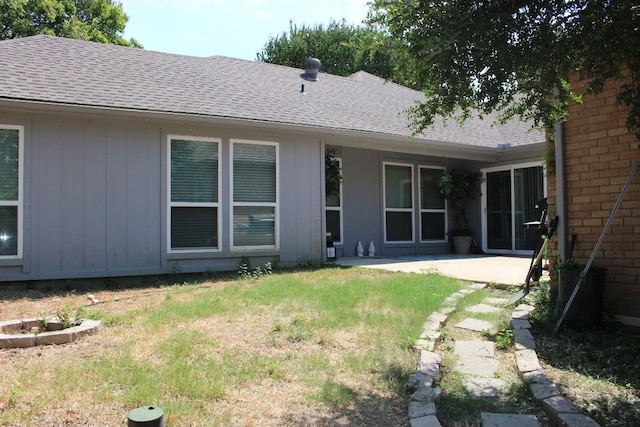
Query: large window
(11,141)
(254,194)
(333,213)
(432,206)
(194,177)
(398,202)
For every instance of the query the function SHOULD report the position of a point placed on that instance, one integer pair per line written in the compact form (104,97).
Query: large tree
(514,56)
(101,21)
(342,48)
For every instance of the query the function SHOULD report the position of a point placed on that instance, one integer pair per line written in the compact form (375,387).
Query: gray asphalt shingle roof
(65,71)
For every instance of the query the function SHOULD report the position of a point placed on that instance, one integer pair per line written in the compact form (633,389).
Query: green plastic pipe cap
(146,416)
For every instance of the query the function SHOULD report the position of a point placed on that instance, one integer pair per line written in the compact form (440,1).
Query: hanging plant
(332,175)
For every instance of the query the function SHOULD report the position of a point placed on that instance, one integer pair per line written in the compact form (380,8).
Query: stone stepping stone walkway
(504,420)
(485,387)
(497,301)
(474,348)
(476,359)
(475,325)
(483,308)
(478,366)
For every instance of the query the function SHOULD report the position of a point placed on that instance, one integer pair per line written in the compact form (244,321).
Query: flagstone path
(477,362)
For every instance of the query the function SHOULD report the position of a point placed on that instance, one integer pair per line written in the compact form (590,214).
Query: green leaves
(101,21)
(342,48)
(513,58)
(460,189)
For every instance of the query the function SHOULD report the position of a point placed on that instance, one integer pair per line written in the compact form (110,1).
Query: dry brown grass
(281,398)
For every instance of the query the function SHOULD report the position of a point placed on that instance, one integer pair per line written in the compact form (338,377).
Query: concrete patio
(492,269)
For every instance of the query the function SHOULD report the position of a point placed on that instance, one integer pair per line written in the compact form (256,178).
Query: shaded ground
(598,370)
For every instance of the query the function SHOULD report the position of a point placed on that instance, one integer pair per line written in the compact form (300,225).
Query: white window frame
(421,210)
(171,204)
(413,202)
(337,208)
(275,205)
(17,203)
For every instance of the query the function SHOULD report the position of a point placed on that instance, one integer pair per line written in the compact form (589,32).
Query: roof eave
(348,137)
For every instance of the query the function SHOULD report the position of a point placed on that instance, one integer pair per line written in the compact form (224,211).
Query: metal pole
(597,247)
(561,189)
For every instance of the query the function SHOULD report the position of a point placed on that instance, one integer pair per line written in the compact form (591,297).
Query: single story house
(117,161)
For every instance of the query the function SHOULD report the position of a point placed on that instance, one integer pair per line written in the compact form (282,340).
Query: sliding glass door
(510,196)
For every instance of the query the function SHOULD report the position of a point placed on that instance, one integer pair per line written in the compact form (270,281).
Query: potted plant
(460,188)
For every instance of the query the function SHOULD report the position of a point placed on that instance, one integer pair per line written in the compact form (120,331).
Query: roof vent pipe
(312,68)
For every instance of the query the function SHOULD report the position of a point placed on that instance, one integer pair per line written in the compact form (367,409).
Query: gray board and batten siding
(363,197)
(95,199)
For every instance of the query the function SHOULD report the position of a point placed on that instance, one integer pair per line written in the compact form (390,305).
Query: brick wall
(599,154)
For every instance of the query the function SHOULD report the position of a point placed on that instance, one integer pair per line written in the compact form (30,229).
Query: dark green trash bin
(587,307)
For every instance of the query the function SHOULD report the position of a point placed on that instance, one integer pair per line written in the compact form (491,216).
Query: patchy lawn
(326,348)
(330,347)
